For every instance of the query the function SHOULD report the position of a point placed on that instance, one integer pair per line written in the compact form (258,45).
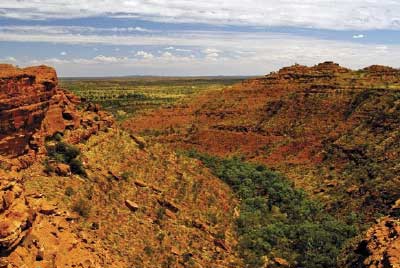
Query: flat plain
(127,96)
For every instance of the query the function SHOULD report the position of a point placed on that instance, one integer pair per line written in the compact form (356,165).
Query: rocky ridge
(301,121)
(134,205)
(33,231)
(332,130)
(33,108)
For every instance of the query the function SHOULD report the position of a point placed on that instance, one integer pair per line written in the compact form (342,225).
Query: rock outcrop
(33,107)
(36,233)
(116,214)
(381,246)
(25,96)
(16,215)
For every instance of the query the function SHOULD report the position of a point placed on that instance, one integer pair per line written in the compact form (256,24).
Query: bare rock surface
(33,107)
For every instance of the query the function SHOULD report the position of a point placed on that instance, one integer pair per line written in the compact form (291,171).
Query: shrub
(48,168)
(148,250)
(160,214)
(278,219)
(126,175)
(82,207)
(69,191)
(77,167)
(68,154)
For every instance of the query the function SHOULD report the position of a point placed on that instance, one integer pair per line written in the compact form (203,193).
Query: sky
(192,38)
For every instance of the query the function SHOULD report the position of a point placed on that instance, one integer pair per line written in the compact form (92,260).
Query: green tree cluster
(278,220)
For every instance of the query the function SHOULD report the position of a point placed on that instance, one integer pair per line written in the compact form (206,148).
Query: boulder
(279,262)
(381,246)
(168,205)
(48,209)
(63,169)
(131,205)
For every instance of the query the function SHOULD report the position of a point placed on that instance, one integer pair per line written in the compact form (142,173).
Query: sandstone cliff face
(380,247)
(34,232)
(24,99)
(33,108)
(16,216)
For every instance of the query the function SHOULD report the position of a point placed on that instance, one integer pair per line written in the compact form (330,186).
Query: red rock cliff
(33,107)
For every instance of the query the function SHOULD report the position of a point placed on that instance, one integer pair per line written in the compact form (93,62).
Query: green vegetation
(127,96)
(358,100)
(82,207)
(69,191)
(278,220)
(62,152)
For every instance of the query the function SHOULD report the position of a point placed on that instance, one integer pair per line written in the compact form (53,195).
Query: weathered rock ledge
(33,107)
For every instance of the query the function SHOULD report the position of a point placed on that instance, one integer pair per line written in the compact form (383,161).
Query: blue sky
(186,37)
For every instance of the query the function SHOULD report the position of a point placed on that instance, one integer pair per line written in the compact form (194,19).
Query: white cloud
(213,56)
(382,49)
(216,52)
(140,29)
(167,55)
(211,50)
(358,36)
(178,49)
(128,29)
(144,55)
(9,60)
(50,61)
(212,53)
(106,59)
(327,14)
(63,53)
(269,55)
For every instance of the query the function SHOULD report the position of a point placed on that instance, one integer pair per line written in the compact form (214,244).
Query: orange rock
(33,107)
(16,216)
(63,169)
(281,262)
(132,205)
(381,246)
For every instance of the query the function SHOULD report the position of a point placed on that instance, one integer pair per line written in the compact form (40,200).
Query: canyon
(80,190)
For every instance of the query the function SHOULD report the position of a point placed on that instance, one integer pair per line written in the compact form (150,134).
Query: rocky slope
(145,206)
(319,125)
(78,192)
(379,248)
(335,132)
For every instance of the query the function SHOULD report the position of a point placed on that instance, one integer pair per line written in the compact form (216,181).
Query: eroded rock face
(16,216)
(33,108)
(381,246)
(25,96)
(36,233)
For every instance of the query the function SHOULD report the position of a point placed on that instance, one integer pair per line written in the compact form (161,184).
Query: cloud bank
(244,55)
(323,14)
